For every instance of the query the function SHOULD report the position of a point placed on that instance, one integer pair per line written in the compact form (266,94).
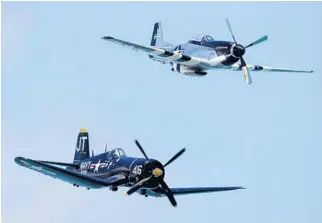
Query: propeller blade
(137,186)
(175,157)
(168,192)
(231,31)
(142,151)
(247,77)
(262,39)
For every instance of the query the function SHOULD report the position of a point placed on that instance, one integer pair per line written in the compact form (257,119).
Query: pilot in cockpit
(115,154)
(201,38)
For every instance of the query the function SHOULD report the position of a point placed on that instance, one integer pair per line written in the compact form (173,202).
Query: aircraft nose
(238,50)
(155,168)
(157,172)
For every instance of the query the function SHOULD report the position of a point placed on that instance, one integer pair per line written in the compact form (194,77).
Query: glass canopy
(202,38)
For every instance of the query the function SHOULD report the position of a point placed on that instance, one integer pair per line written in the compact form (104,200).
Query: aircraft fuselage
(209,50)
(106,165)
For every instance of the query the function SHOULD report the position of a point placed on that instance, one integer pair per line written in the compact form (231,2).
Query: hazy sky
(59,76)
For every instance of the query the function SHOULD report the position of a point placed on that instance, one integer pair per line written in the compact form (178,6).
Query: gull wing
(60,163)
(189,190)
(196,190)
(69,176)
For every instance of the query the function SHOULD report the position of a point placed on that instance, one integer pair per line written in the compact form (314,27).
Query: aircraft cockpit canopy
(121,152)
(201,38)
(116,153)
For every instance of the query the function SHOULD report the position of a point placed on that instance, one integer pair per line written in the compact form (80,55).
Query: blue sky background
(59,76)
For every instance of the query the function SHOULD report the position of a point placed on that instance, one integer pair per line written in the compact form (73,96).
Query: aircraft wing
(196,190)
(267,68)
(60,163)
(70,176)
(191,190)
(170,56)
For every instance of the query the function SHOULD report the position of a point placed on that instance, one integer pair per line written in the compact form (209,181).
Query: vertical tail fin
(157,38)
(82,146)
(157,35)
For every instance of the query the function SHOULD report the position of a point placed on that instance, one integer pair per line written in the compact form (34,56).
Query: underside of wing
(70,176)
(170,56)
(196,190)
(269,69)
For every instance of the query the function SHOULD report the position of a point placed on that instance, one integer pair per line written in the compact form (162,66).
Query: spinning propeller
(238,51)
(157,174)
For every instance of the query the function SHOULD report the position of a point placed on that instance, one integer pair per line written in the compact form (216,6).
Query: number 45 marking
(137,169)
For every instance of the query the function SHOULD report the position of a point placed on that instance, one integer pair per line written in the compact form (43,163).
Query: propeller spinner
(157,175)
(238,51)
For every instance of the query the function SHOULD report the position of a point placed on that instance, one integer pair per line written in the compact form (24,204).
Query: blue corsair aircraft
(114,169)
(201,54)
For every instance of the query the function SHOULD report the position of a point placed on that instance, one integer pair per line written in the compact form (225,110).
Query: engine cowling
(237,50)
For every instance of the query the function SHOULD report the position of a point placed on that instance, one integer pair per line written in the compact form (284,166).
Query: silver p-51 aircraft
(201,54)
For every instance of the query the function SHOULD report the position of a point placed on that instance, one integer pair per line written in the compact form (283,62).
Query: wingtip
(107,37)
(238,188)
(18,158)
